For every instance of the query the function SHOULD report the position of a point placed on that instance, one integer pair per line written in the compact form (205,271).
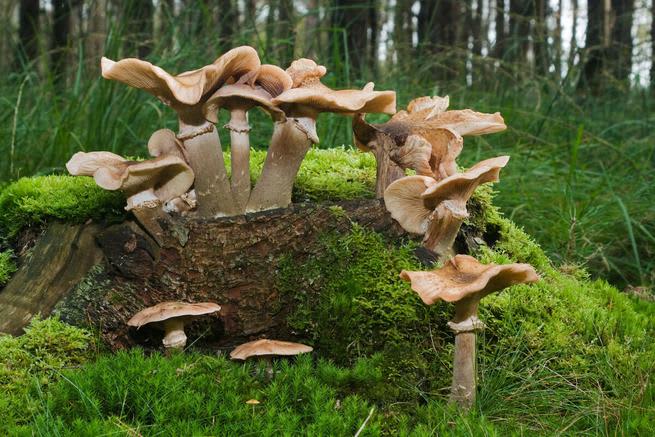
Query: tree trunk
(540,37)
(402,34)
(351,20)
(501,30)
(621,45)
(60,38)
(138,17)
(28,32)
(232,261)
(285,32)
(573,45)
(228,17)
(595,47)
(652,48)
(97,31)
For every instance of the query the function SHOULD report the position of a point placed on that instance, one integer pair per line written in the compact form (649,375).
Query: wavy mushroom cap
(172,310)
(163,142)
(268,348)
(468,122)
(273,79)
(187,88)
(431,106)
(463,277)
(461,186)
(240,96)
(167,176)
(305,72)
(402,199)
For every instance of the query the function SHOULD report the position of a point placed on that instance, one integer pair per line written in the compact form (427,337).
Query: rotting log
(232,261)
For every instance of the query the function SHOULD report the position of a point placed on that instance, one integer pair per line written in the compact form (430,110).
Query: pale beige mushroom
(171,317)
(437,209)
(187,93)
(464,281)
(426,138)
(292,139)
(267,349)
(239,98)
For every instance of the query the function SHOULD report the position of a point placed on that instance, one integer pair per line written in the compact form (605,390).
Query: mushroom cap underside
(263,348)
(402,199)
(240,96)
(464,277)
(170,310)
(323,99)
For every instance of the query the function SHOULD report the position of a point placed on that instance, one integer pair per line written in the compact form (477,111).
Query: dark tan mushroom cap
(402,199)
(163,142)
(273,79)
(264,348)
(187,88)
(171,310)
(462,185)
(305,72)
(468,122)
(242,96)
(323,99)
(464,277)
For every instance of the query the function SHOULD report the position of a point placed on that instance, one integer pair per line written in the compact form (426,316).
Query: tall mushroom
(292,138)
(186,93)
(239,98)
(426,138)
(436,209)
(171,317)
(464,281)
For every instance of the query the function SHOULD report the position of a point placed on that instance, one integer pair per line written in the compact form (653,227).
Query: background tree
(28,31)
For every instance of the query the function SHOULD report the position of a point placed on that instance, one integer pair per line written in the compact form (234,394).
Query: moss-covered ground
(568,355)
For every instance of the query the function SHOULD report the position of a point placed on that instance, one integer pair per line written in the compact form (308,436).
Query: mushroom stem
(289,145)
(203,150)
(465,325)
(240,153)
(175,337)
(443,227)
(387,171)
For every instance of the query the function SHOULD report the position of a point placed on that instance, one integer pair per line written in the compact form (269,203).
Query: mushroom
(292,138)
(436,209)
(239,98)
(267,349)
(186,93)
(425,138)
(171,317)
(464,281)
(147,184)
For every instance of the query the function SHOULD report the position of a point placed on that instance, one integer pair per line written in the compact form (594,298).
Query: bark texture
(230,261)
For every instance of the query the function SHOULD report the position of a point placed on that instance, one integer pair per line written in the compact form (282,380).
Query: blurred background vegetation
(575,81)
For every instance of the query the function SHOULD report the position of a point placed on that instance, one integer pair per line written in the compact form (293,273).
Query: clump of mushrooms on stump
(464,281)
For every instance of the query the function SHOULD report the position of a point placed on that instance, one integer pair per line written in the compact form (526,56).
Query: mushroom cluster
(236,82)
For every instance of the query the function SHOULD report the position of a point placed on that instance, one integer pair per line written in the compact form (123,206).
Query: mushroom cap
(164,142)
(171,310)
(264,348)
(461,186)
(431,105)
(403,200)
(468,122)
(273,79)
(463,277)
(167,176)
(240,96)
(187,88)
(305,72)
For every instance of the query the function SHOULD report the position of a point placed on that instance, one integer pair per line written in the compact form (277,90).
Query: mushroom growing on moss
(464,281)
(187,93)
(436,209)
(267,349)
(426,138)
(171,317)
(292,138)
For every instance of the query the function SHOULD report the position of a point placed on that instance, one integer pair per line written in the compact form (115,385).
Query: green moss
(7,266)
(36,359)
(73,199)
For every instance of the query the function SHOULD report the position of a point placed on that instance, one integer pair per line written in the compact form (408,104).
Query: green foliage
(34,360)
(7,266)
(76,199)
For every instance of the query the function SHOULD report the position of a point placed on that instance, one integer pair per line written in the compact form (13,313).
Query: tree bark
(351,20)
(595,47)
(28,32)
(139,28)
(621,34)
(60,38)
(501,30)
(652,48)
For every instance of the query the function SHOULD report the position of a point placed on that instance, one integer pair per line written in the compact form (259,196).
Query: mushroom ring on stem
(426,138)
(292,138)
(186,93)
(171,317)
(464,281)
(436,209)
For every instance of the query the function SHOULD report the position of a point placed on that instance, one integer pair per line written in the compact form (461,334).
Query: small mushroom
(426,138)
(187,93)
(267,349)
(437,209)
(171,317)
(464,281)
(292,138)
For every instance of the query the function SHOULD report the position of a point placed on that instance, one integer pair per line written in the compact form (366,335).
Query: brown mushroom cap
(468,122)
(431,105)
(464,277)
(462,185)
(171,310)
(163,142)
(403,201)
(167,176)
(187,88)
(305,72)
(268,348)
(240,96)
(273,79)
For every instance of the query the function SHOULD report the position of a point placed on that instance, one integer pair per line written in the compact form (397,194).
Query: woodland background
(574,80)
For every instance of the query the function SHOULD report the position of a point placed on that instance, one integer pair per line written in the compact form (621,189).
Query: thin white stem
(175,337)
